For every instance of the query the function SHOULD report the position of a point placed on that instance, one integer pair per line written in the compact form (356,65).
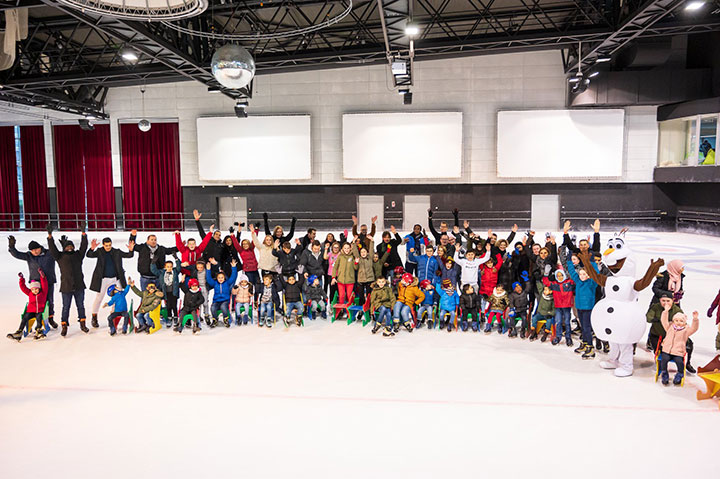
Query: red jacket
(563,293)
(249,260)
(36,302)
(191,256)
(489,277)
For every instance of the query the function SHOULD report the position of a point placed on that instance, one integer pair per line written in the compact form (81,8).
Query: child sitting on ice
(545,311)
(315,294)
(149,300)
(294,307)
(37,297)
(118,300)
(673,346)
(427,304)
(498,303)
(469,305)
(192,300)
(243,293)
(382,300)
(449,301)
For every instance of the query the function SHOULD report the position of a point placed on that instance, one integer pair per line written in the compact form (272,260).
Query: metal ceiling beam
(632,27)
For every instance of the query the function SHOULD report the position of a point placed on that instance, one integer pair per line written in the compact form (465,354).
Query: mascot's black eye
(619,246)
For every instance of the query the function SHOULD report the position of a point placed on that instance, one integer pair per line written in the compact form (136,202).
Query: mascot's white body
(619,318)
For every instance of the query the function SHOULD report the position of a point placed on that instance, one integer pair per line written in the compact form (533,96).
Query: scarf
(674,269)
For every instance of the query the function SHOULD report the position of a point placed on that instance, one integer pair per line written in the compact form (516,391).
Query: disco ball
(233,66)
(144,125)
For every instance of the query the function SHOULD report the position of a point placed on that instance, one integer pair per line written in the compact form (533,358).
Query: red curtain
(152,195)
(9,196)
(83,167)
(34,174)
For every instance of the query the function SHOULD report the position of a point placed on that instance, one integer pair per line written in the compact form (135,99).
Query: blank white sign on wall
(402,145)
(234,149)
(560,143)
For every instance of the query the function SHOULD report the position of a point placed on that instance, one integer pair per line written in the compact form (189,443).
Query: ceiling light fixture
(411,30)
(695,5)
(129,55)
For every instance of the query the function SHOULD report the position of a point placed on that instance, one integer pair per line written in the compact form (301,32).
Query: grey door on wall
(231,209)
(545,215)
(415,209)
(369,206)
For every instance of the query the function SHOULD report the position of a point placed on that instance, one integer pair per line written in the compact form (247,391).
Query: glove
(231,230)
(49,228)
(678,296)
(241,225)
(11,241)
(710,312)
(430,213)
(20,275)
(63,241)
(82,226)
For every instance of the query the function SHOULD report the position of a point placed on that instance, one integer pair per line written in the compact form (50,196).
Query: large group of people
(451,279)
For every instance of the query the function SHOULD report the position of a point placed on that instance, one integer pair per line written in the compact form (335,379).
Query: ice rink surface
(332,400)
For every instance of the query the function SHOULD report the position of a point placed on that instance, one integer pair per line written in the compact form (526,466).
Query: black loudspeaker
(85,125)
(407,98)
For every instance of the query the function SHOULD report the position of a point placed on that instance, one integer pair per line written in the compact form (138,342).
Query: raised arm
(594,275)
(664,318)
(651,272)
(52,247)
(267,225)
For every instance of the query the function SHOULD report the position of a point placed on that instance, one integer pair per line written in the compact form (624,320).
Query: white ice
(332,400)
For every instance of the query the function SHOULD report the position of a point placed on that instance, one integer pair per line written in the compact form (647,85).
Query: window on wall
(18,164)
(688,141)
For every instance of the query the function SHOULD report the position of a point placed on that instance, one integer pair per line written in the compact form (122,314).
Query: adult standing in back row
(109,270)
(149,253)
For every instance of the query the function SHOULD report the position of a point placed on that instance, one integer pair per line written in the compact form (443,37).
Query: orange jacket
(410,294)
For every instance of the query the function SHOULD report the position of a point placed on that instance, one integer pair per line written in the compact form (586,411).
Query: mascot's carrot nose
(608,251)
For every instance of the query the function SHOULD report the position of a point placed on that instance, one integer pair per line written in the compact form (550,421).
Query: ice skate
(475,326)
(589,352)
(376,328)
(488,328)
(464,325)
(555,341)
(94,321)
(388,332)
(52,322)
(580,349)
(39,334)
(569,342)
(16,336)
(408,326)
(63,332)
(83,327)
(544,336)
(533,336)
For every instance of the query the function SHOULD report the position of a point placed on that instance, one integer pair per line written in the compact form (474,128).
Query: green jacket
(381,297)
(344,270)
(368,270)
(378,265)
(148,301)
(653,317)
(546,306)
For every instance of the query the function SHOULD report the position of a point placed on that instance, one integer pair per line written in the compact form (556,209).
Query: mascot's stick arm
(650,274)
(594,275)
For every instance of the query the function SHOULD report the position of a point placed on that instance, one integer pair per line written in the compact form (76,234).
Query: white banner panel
(560,143)
(234,149)
(402,145)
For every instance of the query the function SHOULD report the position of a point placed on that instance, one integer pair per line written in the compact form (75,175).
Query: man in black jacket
(393,259)
(38,258)
(108,272)
(149,253)
(312,261)
(72,281)
(214,248)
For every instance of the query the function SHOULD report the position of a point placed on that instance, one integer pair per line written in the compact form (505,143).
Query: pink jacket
(674,342)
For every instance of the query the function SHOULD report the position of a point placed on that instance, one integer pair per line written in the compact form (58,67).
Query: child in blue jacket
(449,301)
(585,289)
(222,288)
(119,302)
(427,304)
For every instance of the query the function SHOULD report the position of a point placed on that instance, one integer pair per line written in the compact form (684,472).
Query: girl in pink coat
(677,333)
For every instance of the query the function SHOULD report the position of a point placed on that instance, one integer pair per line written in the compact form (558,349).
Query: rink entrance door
(415,211)
(369,206)
(231,209)
(545,213)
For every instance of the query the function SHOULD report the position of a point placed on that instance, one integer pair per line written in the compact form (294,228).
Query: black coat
(393,259)
(661,285)
(469,302)
(214,249)
(143,251)
(45,262)
(70,263)
(191,301)
(114,255)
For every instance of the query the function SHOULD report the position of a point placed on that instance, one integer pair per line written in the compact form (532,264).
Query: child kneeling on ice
(193,299)
(118,300)
(315,294)
(149,300)
(382,300)
(449,301)
(469,305)
(37,297)
(673,346)
(408,295)
(243,293)
(499,302)
(428,302)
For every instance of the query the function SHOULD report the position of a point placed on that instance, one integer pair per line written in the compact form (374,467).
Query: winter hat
(665,294)
(516,284)
(446,283)
(312,278)
(34,284)
(242,277)
(69,243)
(193,283)
(34,245)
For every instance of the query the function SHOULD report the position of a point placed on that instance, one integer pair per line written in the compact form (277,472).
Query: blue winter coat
(429,296)
(119,300)
(448,302)
(453,274)
(222,290)
(584,290)
(411,243)
(426,267)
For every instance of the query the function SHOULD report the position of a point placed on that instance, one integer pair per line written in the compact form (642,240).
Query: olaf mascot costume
(619,318)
